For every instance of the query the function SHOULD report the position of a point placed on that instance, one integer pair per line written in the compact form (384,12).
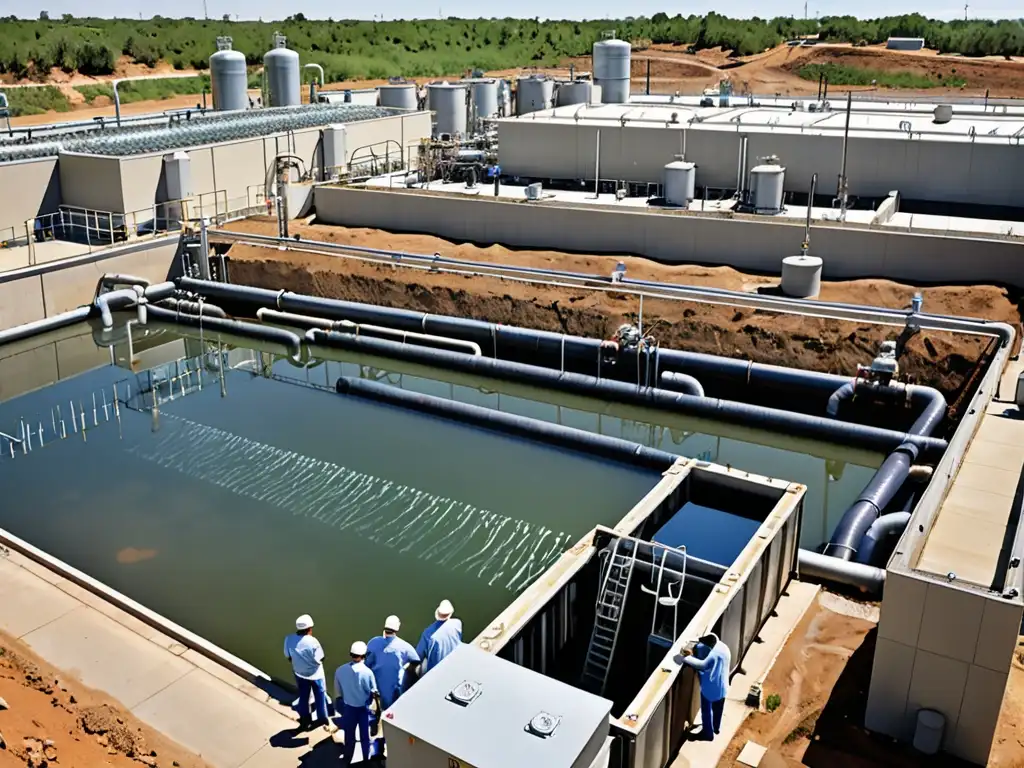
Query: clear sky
(568,9)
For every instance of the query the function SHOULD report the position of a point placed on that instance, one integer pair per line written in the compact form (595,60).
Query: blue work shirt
(712,665)
(354,684)
(386,657)
(306,655)
(437,641)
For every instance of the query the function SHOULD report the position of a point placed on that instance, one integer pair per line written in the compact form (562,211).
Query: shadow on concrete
(837,735)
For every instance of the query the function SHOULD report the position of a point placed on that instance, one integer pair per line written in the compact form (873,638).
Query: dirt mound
(945,361)
(50,720)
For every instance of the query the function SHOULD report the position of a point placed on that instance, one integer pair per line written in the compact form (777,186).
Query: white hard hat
(304,622)
(444,610)
(358,648)
(392,623)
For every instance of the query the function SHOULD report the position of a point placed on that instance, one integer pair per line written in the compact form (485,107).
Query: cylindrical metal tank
(579,92)
(680,182)
(801,276)
(400,96)
(484,98)
(281,68)
(448,103)
(228,78)
(611,70)
(928,734)
(534,93)
(766,186)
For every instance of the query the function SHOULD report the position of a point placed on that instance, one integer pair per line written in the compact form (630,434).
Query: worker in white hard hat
(439,639)
(355,690)
(307,656)
(388,656)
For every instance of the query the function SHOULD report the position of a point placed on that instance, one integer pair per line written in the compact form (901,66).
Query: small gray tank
(534,93)
(281,67)
(611,70)
(448,103)
(484,98)
(398,95)
(578,92)
(228,78)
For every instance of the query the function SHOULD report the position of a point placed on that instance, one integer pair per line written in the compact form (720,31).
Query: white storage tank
(335,151)
(611,70)
(579,92)
(398,95)
(281,68)
(766,187)
(483,96)
(228,77)
(448,103)
(680,182)
(534,93)
(801,276)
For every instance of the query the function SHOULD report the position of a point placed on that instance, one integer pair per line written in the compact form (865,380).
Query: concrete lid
(802,261)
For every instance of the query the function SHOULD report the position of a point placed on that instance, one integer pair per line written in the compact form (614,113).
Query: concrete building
(965,154)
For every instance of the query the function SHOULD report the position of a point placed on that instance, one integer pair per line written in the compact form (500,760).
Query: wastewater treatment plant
(609,371)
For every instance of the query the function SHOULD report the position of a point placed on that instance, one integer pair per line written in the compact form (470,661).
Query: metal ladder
(611,603)
(668,601)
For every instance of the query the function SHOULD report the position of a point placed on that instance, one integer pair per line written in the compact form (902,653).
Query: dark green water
(234,513)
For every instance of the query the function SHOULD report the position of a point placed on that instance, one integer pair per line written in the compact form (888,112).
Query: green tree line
(428,48)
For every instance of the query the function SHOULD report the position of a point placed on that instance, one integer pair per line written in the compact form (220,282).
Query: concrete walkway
(207,709)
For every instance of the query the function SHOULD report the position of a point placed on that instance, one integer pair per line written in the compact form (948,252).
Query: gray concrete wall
(28,295)
(140,182)
(90,181)
(28,189)
(36,363)
(961,171)
(747,243)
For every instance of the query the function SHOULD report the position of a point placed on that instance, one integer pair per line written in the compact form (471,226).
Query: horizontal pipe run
(280,336)
(871,549)
(756,417)
(47,324)
(520,426)
(186,307)
(866,578)
(112,280)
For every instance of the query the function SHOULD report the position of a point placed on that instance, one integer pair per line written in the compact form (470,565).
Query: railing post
(110,226)
(28,241)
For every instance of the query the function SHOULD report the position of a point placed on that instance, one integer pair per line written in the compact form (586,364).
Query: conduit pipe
(45,325)
(929,402)
(681,382)
(280,336)
(756,417)
(112,280)
(575,439)
(185,307)
(871,549)
(120,299)
(836,310)
(865,577)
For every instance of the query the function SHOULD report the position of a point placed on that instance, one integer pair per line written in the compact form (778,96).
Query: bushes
(34,100)
(839,74)
(147,90)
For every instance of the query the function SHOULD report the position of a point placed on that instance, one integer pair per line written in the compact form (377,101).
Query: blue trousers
(352,718)
(317,687)
(710,717)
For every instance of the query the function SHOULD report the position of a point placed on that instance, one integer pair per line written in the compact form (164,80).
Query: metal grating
(180,133)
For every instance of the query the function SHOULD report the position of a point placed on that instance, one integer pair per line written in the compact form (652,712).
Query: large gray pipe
(928,402)
(193,307)
(756,417)
(568,437)
(280,336)
(871,545)
(47,324)
(865,577)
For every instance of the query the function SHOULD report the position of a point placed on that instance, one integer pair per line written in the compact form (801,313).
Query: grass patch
(36,100)
(805,729)
(773,702)
(147,90)
(840,74)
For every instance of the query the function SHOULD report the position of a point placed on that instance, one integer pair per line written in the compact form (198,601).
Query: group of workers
(375,675)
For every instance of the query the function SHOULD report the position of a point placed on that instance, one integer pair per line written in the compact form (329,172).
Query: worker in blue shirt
(307,656)
(712,660)
(439,639)
(388,656)
(355,689)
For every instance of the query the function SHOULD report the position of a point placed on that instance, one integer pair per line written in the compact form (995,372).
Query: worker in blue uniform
(388,656)
(356,690)
(307,656)
(439,639)
(712,660)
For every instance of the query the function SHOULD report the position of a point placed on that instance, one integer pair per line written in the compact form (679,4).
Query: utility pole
(206,15)
(965,11)
(805,10)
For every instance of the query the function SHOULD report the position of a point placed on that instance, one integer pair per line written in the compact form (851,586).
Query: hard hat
(358,648)
(304,622)
(392,623)
(444,610)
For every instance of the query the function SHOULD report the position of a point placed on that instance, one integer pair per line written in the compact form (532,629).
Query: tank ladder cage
(668,600)
(616,574)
